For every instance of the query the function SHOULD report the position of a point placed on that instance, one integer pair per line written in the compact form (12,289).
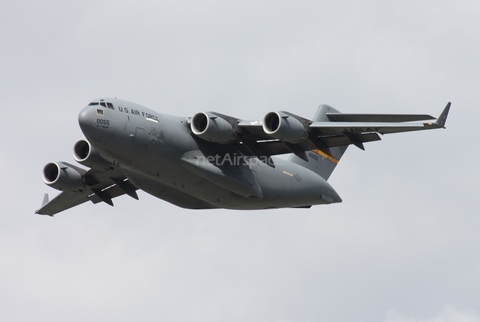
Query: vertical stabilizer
(322,162)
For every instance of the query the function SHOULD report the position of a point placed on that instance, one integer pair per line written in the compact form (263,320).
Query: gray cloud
(403,240)
(449,313)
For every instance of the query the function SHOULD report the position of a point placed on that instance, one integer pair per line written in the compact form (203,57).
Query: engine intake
(212,128)
(62,176)
(284,127)
(85,154)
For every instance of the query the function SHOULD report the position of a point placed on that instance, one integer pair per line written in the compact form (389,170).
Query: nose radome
(86,119)
(336,198)
(329,194)
(331,197)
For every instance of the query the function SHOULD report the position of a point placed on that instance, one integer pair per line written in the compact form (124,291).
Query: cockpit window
(103,103)
(100,111)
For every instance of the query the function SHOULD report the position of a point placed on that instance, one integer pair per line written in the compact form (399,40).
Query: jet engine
(62,176)
(212,128)
(85,154)
(284,127)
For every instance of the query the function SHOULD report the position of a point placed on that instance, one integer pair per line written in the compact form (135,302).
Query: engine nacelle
(62,176)
(212,128)
(284,127)
(84,153)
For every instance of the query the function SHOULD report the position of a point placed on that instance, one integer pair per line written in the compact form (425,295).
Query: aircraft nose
(86,119)
(329,194)
(336,198)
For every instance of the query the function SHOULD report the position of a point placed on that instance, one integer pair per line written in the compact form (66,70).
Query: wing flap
(338,128)
(382,118)
(339,140)
(120,187)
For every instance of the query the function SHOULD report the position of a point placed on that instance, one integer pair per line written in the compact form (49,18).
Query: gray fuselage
(160,155)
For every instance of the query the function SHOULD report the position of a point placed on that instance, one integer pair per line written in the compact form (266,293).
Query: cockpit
(102,103)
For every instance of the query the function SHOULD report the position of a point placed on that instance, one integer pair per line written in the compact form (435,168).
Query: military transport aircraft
(213,160)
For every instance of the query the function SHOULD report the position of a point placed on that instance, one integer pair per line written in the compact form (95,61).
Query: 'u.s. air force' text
(137,113)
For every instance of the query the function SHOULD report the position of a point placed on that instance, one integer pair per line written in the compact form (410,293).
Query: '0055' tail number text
(103,123)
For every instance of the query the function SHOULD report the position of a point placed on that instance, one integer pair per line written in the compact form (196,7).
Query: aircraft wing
(98,186)
(336,129)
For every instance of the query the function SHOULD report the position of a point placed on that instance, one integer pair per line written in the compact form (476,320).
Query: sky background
(403,245)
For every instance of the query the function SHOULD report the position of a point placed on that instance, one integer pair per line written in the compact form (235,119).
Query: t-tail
(322,161)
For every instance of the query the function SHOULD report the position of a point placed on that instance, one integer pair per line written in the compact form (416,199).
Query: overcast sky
(403,245)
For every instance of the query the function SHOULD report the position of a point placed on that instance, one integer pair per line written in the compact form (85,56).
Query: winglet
(44,202)
(442,119)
